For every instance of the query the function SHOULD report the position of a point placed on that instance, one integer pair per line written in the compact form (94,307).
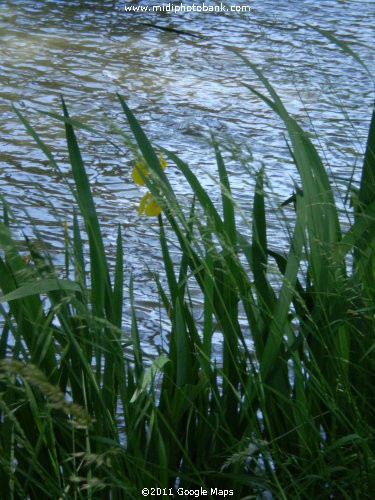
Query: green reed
(81,417)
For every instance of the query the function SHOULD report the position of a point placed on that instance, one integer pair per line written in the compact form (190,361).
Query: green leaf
(42,286)
(149,376)
(144,144)
(226,196)
(322,221)
(101,288)
(183,355)
(367,185)
(342,45)
(118,288)
(259,250)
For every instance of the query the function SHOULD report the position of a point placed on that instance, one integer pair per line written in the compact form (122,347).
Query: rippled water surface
(181,87)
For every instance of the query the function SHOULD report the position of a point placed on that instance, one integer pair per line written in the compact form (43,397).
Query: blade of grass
(101,289)
(226,196)
(41,287)
(341,45)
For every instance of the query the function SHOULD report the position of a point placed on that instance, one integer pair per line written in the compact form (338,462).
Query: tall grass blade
(144,144)
(101,290)
(118,287)
(226,196)
(367,186)
(41,287)
(341,45)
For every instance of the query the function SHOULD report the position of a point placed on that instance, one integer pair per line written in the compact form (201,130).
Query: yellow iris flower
(148,204)
(141,166)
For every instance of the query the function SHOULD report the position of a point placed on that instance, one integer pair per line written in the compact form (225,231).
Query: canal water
(182,83)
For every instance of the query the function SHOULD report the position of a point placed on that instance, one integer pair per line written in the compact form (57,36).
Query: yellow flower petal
(152,207)
(142,203)
(136,173)
(142,168)
(148,204)
(162,161)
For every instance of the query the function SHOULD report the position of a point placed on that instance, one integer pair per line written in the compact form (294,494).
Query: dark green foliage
(293,415)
